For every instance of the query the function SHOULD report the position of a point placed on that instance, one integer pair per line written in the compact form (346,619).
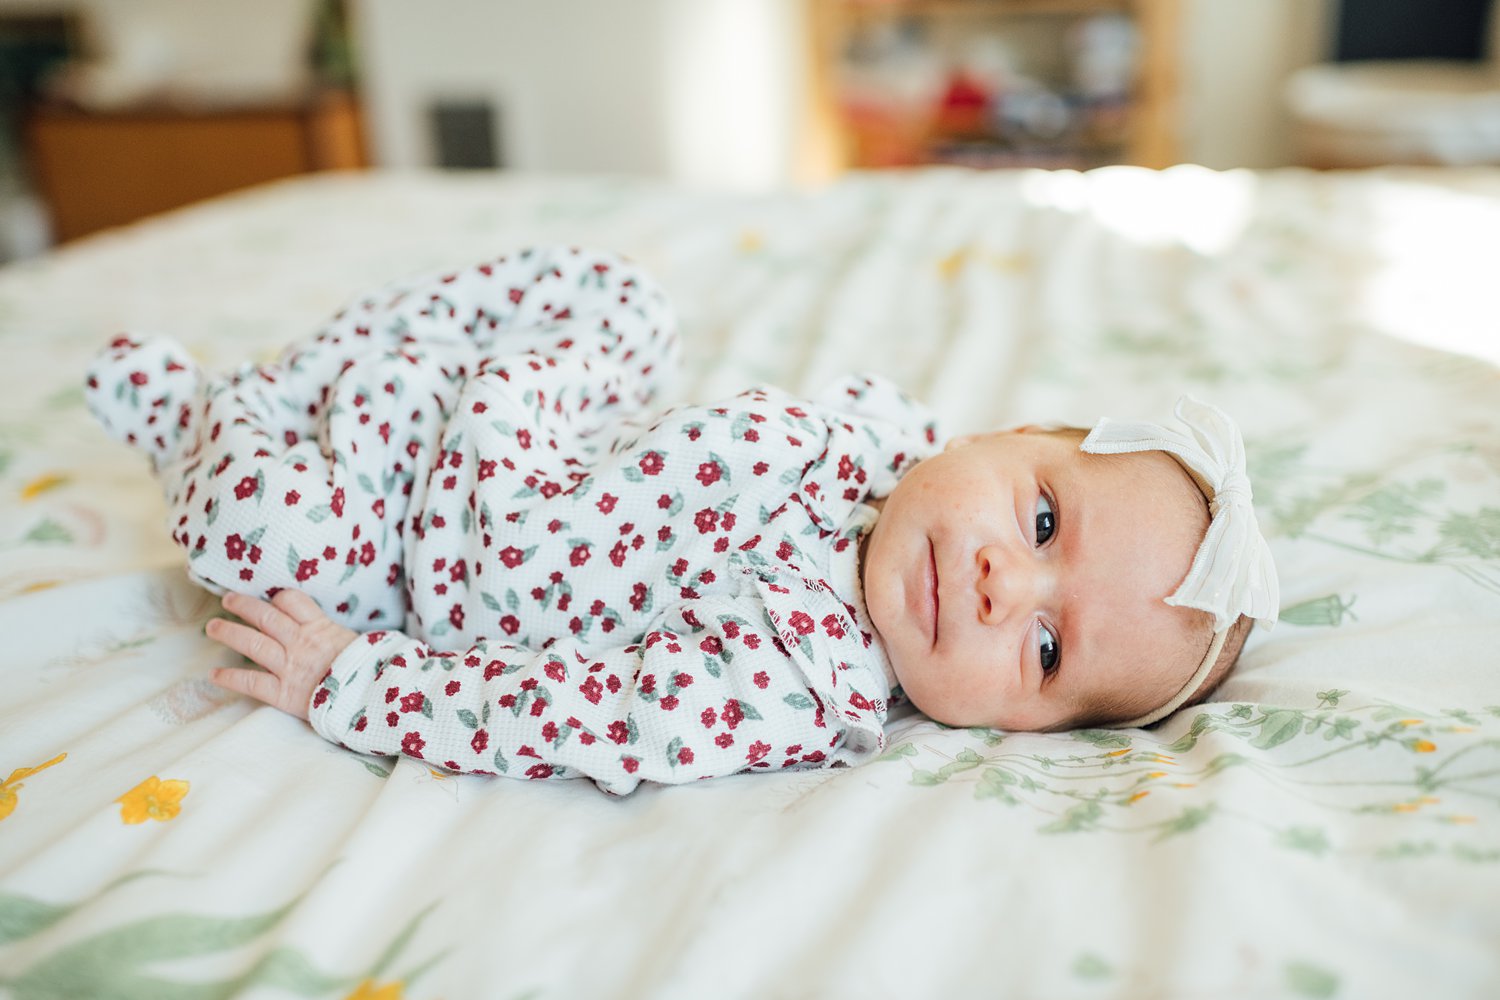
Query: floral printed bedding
(1329,826)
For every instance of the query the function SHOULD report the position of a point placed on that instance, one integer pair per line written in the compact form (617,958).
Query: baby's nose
(1007,583)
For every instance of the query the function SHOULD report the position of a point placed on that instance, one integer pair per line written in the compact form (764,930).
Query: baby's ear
(961,441)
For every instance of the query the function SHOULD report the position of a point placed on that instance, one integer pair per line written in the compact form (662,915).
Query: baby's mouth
(932,556)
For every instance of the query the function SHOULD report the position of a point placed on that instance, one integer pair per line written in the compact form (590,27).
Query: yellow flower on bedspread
(152,799)
(11,785)
(367,990)
(41,484)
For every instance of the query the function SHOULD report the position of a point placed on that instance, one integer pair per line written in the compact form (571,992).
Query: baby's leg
(551,302)
(258,510)
(145,394)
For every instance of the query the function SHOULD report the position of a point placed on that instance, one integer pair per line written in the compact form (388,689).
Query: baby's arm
(705,693)
(289,636)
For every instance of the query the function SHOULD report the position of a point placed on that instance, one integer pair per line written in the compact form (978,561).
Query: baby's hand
(290,637)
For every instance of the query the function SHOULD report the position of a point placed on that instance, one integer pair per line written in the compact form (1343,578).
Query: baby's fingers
(263,615)
(256,683)
(301,608)
(248,642)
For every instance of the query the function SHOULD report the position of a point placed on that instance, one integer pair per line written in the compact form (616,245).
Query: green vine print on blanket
(1403,520)
(117,962)
(1099,790)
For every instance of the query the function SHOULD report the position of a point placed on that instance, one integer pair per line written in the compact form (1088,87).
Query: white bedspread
(1329,828)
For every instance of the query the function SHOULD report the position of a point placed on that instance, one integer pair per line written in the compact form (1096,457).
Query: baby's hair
(1234,642)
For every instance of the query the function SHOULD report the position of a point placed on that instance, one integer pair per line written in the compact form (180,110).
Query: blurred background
(112,110)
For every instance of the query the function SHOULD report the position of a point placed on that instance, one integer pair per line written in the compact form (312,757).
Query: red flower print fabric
(551,582)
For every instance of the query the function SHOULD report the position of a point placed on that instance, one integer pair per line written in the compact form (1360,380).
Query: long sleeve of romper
(706,692)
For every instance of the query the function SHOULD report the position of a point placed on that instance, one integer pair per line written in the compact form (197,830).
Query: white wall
(1236,55)
(576,82)
(711,91)
(696,90)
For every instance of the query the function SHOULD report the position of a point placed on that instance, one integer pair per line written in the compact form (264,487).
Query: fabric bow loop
(1232,573)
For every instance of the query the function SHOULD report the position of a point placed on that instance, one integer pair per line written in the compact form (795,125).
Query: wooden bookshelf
(100,169)
(978,126)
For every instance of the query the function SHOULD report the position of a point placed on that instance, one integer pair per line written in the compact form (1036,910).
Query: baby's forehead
(1154,473)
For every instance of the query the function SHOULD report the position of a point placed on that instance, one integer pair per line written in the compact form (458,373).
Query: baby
(453,529)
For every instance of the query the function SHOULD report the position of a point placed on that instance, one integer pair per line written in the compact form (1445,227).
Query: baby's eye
(1046,522)
(1047,649)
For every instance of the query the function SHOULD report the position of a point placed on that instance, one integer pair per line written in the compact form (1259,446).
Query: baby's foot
(143,393)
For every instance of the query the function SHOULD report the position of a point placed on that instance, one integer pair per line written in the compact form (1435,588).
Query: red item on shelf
(964,108)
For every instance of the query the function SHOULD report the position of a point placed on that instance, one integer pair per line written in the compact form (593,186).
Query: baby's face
(1017,582)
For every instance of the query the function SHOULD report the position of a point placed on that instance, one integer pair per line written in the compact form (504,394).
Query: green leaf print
(1308,980)
(48,532)
(894,753)
(1477,534)
(1090,966)
(965,761)
(112,963)
(1391,511)
(993,784)
(1083,816)
(1329,697)
(1190,819)
(1278,726)
(1304,838)
(1329,611)
(1104,738)
(22,916)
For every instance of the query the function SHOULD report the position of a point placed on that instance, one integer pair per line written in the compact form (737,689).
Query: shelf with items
(995,83)
(96,169)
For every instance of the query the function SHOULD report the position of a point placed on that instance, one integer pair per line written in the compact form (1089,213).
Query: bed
(1327,826)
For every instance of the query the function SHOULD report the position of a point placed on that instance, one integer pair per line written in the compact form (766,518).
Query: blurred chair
(174,101)
(1374,112)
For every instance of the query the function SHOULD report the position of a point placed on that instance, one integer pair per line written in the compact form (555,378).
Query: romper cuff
(337,711)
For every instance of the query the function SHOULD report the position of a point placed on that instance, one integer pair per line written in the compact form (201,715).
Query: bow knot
(1232,573)
(1235,492)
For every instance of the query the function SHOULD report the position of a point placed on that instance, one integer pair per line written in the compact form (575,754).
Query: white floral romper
(551,580)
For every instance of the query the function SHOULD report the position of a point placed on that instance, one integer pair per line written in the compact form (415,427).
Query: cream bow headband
(1233,573)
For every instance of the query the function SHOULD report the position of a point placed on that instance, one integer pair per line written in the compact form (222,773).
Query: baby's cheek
(939,695)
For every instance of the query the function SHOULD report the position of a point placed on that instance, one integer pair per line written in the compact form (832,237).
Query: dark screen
(1411,29)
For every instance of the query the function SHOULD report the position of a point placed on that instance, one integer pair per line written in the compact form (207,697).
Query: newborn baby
(454,529)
